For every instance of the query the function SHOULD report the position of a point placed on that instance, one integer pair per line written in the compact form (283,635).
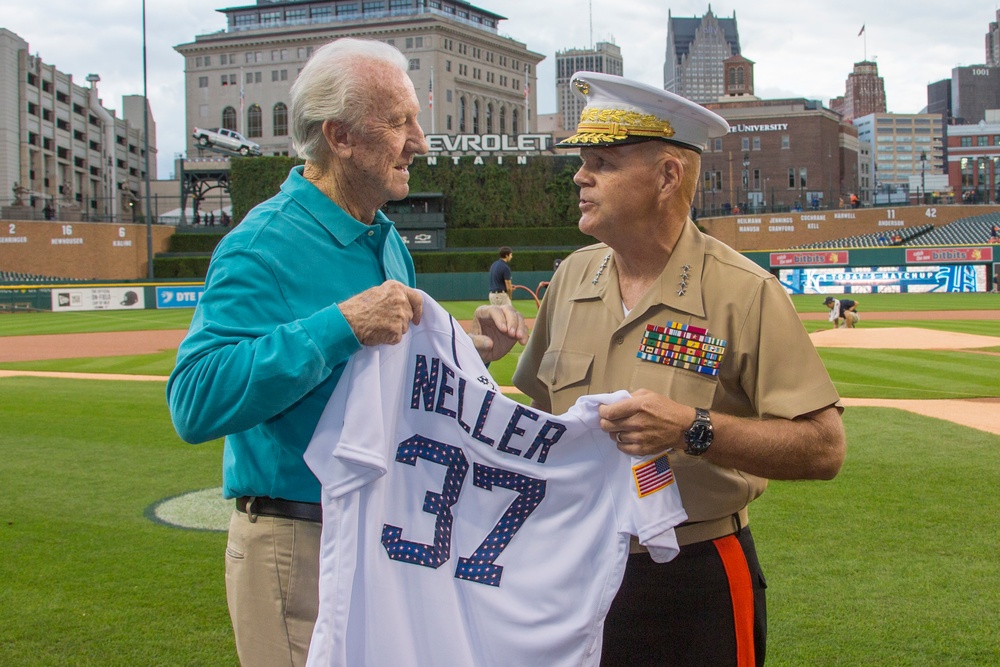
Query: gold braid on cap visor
(601,126)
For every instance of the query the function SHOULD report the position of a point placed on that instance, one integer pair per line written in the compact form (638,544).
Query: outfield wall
(79,250)
(770,231)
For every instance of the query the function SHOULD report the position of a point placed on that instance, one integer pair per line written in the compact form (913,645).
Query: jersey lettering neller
(462,528)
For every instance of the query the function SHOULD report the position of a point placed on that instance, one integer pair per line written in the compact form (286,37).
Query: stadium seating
(17,278)
(967,231)
(907,236)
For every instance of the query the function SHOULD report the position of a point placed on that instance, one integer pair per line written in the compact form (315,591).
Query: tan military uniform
(583,343)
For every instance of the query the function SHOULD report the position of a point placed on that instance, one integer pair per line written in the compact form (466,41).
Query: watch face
(699,436)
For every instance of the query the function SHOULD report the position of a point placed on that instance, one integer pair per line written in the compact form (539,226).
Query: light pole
(923,186)
(145,139)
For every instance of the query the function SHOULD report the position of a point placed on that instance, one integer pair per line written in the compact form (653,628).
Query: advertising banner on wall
(98,298)
(884,279)
(179,297)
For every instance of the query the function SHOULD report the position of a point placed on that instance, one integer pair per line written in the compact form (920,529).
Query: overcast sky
(803,49)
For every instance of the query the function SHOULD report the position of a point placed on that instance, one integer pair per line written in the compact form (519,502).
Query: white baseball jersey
(461,528)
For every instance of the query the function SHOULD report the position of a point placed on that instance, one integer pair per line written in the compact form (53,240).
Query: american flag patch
(653,475)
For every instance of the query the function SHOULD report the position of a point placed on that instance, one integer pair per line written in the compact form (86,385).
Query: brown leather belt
(277,507)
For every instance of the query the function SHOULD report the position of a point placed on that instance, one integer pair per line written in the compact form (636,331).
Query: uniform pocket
(567,375)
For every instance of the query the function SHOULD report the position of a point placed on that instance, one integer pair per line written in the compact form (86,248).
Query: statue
(19,192)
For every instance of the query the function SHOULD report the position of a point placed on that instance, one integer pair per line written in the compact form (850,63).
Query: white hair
(332,86)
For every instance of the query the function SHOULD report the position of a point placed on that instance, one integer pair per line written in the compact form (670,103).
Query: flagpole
(430,98)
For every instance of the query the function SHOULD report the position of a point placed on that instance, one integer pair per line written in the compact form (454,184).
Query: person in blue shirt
(302,283)
(501,287)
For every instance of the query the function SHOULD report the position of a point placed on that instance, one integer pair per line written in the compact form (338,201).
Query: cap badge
(605,125)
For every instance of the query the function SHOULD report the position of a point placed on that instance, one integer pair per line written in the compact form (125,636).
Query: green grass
(891,563)
(87,579)
(25,324)
(912,374)
(813,303)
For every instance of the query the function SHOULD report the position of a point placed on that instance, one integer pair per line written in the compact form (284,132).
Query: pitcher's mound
(900,338)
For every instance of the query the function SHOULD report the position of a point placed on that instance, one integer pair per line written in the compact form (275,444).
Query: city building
(604,57)
(864,92)
(696,52)
(779,155)
(993,43)
(902,146)
(469,78)
(974,160)
(62,153)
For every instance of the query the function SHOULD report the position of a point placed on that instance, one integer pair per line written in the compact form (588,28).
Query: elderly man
(721,371)
(299,286)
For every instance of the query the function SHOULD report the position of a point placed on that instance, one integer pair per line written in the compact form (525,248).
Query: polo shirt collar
(687,259)
(325,211)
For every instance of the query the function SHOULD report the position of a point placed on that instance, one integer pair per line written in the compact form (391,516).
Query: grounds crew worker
(722,372)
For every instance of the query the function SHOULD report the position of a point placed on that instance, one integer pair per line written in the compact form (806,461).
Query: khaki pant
(500,299)
(272,586)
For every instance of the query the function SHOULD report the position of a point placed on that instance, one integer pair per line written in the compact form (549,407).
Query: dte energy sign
(178,297)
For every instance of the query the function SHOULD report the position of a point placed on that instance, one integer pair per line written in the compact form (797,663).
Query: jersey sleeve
(645,494)
(350,446)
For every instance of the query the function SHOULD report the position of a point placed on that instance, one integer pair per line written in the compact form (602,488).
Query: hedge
(538,194)
(473,262)
(180,242)
(181,267)
(532,237)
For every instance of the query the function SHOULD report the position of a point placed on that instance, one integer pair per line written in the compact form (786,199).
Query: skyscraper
(696,51)
(865,92)
(993,43)
(604,57)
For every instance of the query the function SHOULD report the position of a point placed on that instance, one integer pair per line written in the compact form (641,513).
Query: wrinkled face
(618,188)
(387,141)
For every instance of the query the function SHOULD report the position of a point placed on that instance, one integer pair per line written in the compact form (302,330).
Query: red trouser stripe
(741,590)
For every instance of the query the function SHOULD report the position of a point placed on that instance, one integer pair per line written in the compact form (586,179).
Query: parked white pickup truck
(229,140)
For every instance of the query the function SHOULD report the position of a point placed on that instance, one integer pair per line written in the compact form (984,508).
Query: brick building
(974,161)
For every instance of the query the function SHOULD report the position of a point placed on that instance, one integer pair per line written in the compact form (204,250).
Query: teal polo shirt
(268,343)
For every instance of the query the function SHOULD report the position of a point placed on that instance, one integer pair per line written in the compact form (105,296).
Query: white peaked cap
(620,111)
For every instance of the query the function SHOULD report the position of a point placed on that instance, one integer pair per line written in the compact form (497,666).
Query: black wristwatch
(699,436)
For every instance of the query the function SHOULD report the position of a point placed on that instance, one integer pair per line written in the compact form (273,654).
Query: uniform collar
(678,287)
(325,211)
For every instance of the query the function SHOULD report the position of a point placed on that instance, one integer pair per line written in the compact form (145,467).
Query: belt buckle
(250,513)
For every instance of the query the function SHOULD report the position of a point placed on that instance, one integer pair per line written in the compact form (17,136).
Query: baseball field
(111,540)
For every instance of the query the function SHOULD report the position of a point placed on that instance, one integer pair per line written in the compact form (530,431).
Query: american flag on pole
(430,93)
(653,475)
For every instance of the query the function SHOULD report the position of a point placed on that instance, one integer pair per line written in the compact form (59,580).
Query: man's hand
(495,329)
(383,314)
(646,423)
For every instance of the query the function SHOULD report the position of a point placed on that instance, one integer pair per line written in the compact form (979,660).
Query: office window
(461,114)
(254,124)
(203,82)
(280,119)
(803,181)
(786,141)
(475,117)
(229,118)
